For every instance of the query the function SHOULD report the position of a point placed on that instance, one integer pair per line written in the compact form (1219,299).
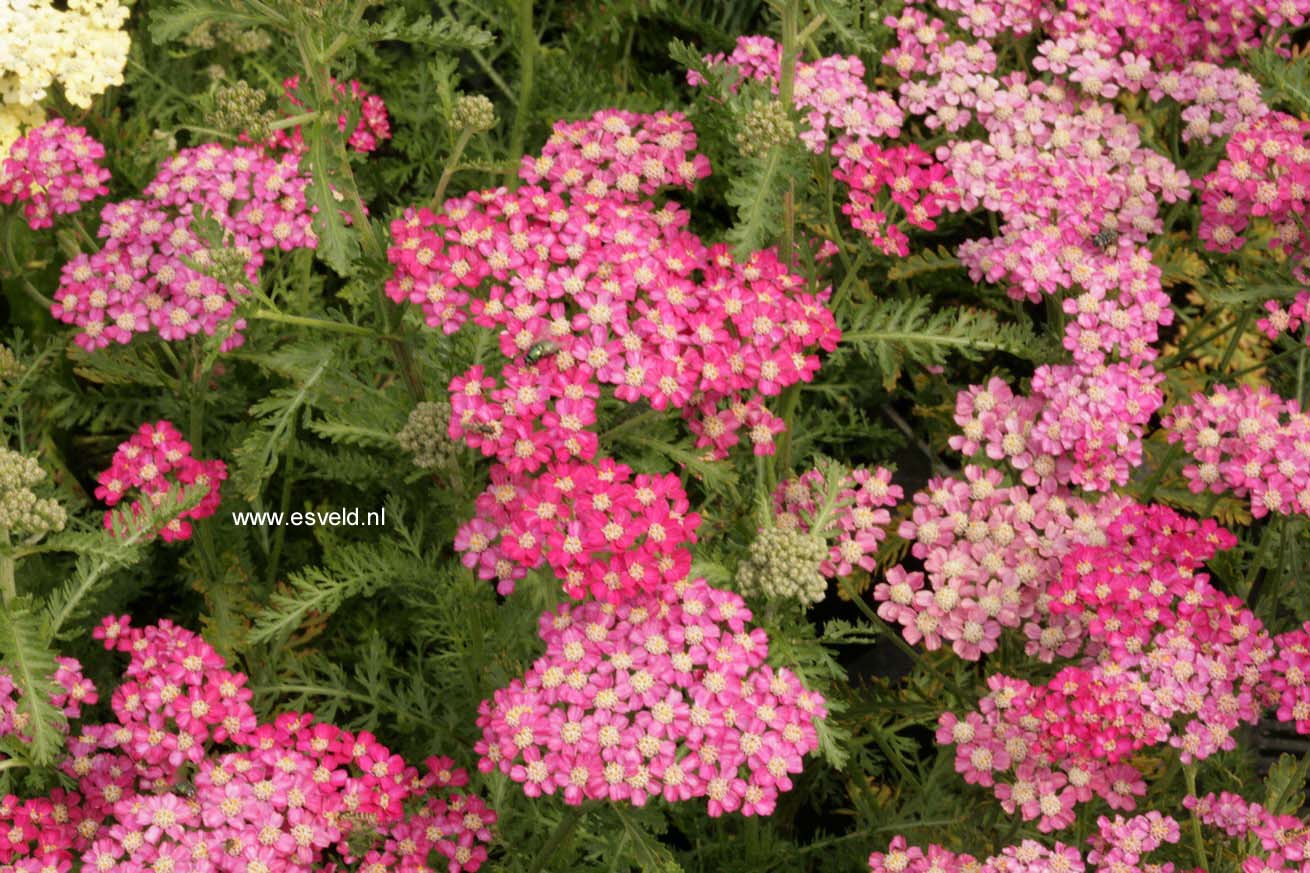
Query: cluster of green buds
(239,108)
(22,512)
(242,40)
(9,366)
(473,113)
(426,436)
(784,563)
(765,125)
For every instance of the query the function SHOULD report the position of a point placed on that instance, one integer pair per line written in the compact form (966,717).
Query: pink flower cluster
(596,286)
(1119,846)
(602,530)
(1283,841)
(373,126)
(184,778)
(1082,427)
(913,181)
(1167,658)
(989,552)
(52,170)
(155,462)
(617,152)
(155,272)
(848,120)
(1249,442)
(851,514)
(1289,677)
(1281,321)
(71,692)
(1265,175)
(665,695)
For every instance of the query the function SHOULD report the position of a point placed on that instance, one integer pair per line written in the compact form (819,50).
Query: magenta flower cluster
(184,778)
(851,514)
(156,462)
(157,274)
(1166,658)
(589,283)
(52,170)
(664,695)
(603,530)
(373,124)
(1276,842)
(1248,442)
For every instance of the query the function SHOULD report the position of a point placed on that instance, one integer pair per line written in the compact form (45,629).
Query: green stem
(316,323)
(452,164)
(527,81)
(557,839)
(1198,841)
(900,642)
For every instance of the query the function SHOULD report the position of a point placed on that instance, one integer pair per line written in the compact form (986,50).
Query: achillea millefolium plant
(687,436)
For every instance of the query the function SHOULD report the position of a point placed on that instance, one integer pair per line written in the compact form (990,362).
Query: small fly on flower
(540,349)
(1105,238)
(486,428)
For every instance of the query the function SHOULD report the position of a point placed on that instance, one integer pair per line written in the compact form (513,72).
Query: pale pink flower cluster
(851,514)
(1249,442)
(1120,845)
(155,272)
(664,695)
(52,170)
(1277,842)
(1264,176)
(1082,427)
(988,553)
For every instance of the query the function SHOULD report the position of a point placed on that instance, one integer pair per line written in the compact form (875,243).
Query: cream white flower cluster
(82,47)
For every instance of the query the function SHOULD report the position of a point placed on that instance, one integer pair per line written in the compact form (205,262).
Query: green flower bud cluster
(239,108)
(21,511)
(784,563)
(426,436)
(766,125)
(242,40)
(473,112)
(9,366)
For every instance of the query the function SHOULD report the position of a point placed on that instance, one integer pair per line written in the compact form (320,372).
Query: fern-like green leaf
(169,22)
(892,332)
(257,455)
(445,33)
(30,662)
(924,261)
(1286,82)
(757,195)
(352,570)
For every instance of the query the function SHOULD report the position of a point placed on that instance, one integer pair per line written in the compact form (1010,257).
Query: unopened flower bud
(426,436)
(21,511)
(473,112)
(766,125)
(785,564)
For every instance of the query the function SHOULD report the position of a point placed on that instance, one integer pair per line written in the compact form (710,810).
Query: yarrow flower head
(184,771)
(372,127)
(53,170)
(82,46)
(155,271)
(665,695)
(154,463)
